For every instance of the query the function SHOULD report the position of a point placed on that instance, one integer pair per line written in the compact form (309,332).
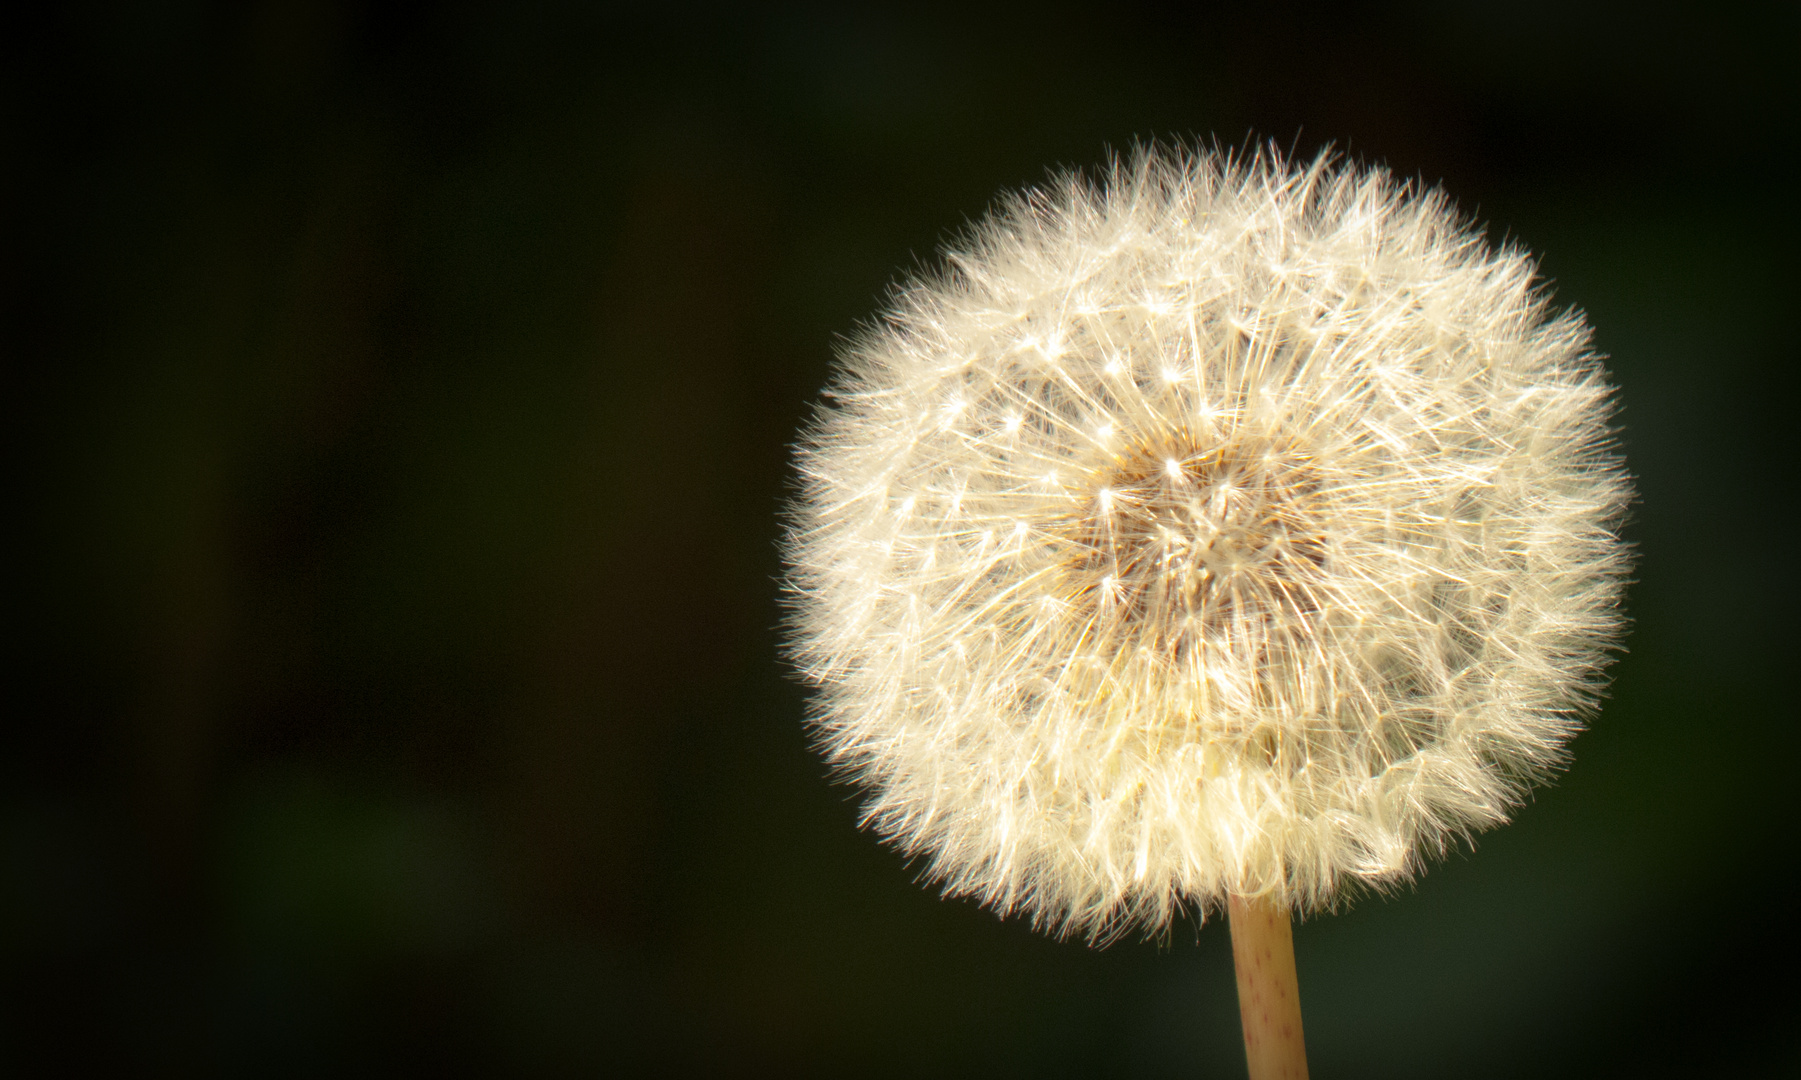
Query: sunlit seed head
(1275,549)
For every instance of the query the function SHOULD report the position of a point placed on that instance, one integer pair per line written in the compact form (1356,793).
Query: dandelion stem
(1269,994)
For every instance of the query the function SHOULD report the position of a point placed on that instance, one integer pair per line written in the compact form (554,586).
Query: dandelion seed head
(1262,540)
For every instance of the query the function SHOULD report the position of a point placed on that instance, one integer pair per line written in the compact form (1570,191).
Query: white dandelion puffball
(1219,527)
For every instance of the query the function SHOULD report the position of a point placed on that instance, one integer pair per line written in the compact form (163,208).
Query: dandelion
(1222,531)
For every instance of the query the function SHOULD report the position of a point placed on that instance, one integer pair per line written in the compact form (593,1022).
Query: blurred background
(400,398)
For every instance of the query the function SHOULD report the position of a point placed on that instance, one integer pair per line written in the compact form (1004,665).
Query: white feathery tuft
(1224,526)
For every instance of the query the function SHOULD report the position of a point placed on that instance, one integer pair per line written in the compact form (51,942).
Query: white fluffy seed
(1219,527)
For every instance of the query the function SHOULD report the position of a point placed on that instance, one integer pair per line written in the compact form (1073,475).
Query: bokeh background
(399,400)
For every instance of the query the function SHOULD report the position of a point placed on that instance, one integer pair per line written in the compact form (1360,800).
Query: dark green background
(399,400)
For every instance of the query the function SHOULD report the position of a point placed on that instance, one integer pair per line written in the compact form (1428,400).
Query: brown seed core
(1184,545)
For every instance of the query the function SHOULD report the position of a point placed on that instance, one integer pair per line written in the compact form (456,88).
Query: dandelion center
(1188,545)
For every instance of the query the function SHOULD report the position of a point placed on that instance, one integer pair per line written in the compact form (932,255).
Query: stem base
(1269,993)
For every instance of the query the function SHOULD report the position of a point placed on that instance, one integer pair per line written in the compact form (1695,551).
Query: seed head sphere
(1219,526)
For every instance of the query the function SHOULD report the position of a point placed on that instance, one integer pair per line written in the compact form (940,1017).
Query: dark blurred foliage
(399,399)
